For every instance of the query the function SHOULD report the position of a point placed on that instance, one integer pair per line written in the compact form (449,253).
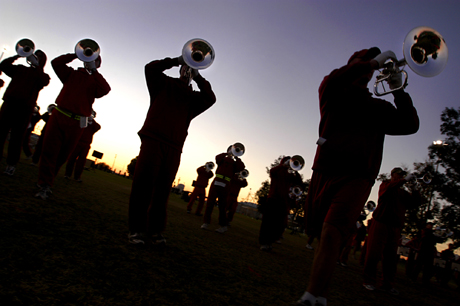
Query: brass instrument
(209,166)
(25,48)
(295,192)
(198,53)
(416,181)
(296,163)
(243,174)
(236,149)
(425,52)
(87,50)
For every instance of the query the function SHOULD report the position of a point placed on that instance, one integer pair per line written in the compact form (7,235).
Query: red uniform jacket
(173,104)
(88,133)
(393,203)
(235,186)
(354,123)
(80,88)
(227,167)
(203,177)
(281,180)
(26,83)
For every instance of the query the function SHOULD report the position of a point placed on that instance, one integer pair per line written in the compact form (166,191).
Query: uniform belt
(68,114)
(223,177)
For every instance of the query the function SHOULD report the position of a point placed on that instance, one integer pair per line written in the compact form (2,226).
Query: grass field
(72,250)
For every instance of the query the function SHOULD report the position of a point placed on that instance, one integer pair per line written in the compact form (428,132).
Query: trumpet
(243,174)
(295,192)
(87,50)
(236,149)
(209,166)
(25,48)
(425,52)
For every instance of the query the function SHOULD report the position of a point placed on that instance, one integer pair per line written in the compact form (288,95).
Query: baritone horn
(25,48)
(87,50)
(425,52)
(236,149)
(198,53)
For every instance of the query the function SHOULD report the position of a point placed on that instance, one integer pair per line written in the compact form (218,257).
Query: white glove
(384,56)
(395,81)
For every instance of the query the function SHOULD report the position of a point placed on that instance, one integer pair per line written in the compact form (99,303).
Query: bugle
(243,174)
(295,163)
(236,149)
(198,53)
(209,166)
(425,52)
(25,48)
(295,192)
(87,50)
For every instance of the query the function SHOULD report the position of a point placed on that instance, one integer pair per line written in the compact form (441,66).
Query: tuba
(236,149)
(87,50)
(425,52)
(25,48)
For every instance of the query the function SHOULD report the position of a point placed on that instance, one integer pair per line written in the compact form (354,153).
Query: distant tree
(446,181)
(103,167)
(132,166)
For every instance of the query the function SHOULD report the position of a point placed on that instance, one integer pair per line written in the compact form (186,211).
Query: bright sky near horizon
(271,57)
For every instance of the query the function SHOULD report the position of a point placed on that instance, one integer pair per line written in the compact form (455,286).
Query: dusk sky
(271,57)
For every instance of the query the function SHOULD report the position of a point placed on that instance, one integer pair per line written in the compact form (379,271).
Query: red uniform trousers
(78,160)
(273,220)
(221,193)
(382,244)
(14,119)
(232,203)
(200,193)
(337,200)
(61,137)
(156,168)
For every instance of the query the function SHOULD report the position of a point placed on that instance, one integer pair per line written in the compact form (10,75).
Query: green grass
(72,250)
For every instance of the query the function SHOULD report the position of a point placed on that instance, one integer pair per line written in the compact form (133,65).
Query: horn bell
(87,50)
(25,47)
(237,149)
(198,53)
(296,162)
(425,51)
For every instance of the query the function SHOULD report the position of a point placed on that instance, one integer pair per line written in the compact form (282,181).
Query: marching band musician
(352,130)
(77,159)
(199,190)
(277,207)
(227,165)
(383,236)
(19,101)
(30,128)
(173,104)
(237,182)
(39,145)
(68,120)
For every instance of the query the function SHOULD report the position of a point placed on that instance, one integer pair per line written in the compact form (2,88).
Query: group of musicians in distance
(352,129)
